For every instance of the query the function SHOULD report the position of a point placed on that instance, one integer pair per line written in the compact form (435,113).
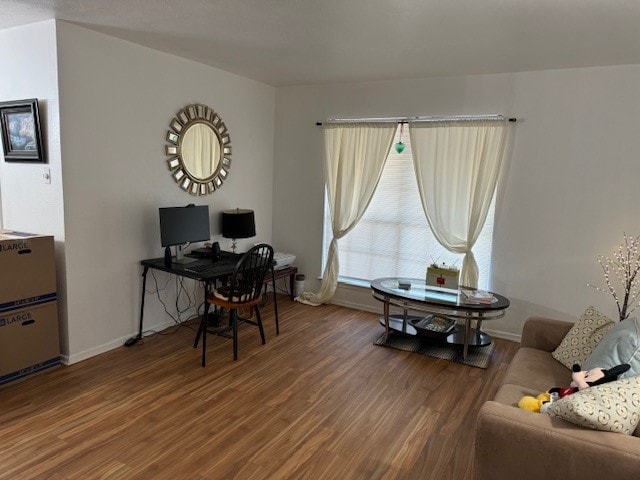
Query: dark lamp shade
(238,223)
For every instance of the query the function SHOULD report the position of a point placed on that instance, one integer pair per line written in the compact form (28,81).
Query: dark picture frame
(21,136)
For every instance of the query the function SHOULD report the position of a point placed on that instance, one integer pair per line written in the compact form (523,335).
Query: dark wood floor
(320,401)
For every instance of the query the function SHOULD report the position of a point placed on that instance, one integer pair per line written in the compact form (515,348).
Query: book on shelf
(476,296)
(434,324)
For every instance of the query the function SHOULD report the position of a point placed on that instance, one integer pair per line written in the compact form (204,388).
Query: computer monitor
(183,225)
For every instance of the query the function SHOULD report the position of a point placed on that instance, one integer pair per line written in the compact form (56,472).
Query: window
(393,238)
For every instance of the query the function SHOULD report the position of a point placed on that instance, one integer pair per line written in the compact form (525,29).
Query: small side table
(282,273)
(275,275)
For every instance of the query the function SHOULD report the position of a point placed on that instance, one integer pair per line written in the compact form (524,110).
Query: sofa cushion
(509,394)
(620,345)
(537,371)
(578,345)
(612,407)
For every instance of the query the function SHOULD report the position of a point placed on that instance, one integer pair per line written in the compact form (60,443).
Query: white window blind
(393,238)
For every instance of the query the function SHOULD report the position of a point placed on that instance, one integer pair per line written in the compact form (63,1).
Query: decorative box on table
(442,276)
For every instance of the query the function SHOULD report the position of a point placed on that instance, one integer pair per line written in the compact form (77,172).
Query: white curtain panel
(354,158)
(457,166)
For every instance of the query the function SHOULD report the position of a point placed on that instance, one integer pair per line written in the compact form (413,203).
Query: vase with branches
(621,275)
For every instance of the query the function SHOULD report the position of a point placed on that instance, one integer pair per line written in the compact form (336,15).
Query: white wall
(568,196)
(29,70)
(116,101)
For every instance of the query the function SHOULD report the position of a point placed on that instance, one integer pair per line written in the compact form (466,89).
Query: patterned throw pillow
(612,407)
(582,339)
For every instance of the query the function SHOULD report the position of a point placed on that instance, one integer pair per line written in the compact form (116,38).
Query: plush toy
(581,379)
(534,404)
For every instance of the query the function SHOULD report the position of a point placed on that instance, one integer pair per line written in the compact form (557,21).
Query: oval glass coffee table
(414,295)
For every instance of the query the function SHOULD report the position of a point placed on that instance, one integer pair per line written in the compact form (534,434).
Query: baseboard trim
(357,306)
(112,345)
(119,342)
(92,352)
(504,335)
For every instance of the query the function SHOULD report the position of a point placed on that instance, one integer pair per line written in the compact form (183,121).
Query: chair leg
(204,343)
(260,324)
(275,300)
(234,313)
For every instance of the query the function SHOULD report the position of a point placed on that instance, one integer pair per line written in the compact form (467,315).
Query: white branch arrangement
(622,271)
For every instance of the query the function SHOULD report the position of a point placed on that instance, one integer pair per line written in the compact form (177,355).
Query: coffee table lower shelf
(456,337)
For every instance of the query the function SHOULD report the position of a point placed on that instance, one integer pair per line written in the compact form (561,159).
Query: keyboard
(205,268)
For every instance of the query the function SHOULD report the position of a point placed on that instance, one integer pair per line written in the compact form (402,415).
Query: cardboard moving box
(29,340)
(27,266)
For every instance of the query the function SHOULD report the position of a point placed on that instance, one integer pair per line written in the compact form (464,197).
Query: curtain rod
(418,119)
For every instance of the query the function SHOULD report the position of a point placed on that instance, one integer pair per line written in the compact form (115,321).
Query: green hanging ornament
(399,144)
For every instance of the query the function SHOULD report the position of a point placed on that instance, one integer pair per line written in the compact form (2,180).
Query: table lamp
(238,223)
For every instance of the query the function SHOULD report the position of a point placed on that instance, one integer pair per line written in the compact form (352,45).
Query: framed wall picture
(21,138)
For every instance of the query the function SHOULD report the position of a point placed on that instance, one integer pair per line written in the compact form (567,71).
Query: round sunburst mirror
(199,149)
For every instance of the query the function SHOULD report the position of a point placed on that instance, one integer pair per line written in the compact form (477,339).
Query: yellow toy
(534,404)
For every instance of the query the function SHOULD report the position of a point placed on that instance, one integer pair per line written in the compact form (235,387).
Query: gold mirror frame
(187,117)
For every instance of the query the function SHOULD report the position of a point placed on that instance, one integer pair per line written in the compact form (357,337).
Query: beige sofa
(516,444)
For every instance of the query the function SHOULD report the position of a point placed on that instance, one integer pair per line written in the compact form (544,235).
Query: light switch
(46,174)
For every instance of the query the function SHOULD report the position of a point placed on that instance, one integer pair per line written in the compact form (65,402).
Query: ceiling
(297,42)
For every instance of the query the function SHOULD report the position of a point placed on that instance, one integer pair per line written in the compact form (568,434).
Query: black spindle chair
(244,291)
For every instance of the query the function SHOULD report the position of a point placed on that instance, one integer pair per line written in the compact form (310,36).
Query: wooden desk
(282,273)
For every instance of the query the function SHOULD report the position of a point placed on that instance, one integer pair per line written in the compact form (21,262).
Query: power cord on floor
(181,290)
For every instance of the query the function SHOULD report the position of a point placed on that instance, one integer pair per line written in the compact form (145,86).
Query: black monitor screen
(180,225)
